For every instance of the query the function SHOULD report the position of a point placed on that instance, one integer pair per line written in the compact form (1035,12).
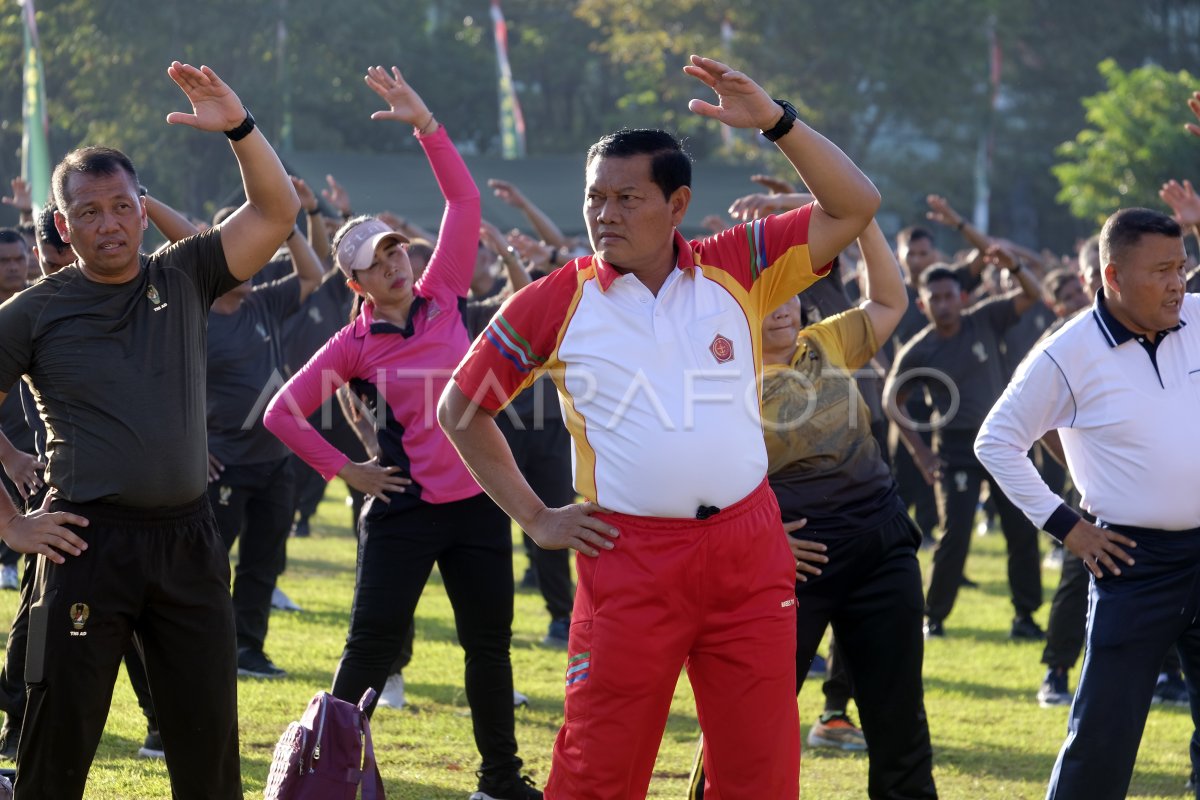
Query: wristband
(243,130)
(785,123)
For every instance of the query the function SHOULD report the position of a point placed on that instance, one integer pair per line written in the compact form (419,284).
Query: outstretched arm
(252,233)
(1030,292)
(887,299)
(545,227)
(453,257)
(170,223)
(318,238)
(846,198)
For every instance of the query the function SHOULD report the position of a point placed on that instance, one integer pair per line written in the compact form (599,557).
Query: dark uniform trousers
(469,541)
(253,504)
(1133,619)
(544,457)
(870,591)
(159,576)
(1068,614)
(958,498)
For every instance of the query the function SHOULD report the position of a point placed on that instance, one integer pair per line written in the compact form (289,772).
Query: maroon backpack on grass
(327,754)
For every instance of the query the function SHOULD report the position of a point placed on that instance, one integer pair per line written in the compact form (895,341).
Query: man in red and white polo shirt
(654,344)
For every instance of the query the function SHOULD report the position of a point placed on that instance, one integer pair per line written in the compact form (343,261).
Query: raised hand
(215,107)
(308,200)
(773,184)
(531,251)
(941,212)
(756,206)
(1002,257)
(491,236)
(1194,105)
(405,105)
(1183,200)
(22,195)
(507,192)
(742,102)
(336,195)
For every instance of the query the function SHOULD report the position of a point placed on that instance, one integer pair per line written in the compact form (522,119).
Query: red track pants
(716,596)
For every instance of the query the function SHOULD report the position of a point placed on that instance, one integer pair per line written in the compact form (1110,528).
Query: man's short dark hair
(940,272)
(670,167)
(1056,280)
(47,231)
(12,236)
(912,234)
(88,161)
(1125,228)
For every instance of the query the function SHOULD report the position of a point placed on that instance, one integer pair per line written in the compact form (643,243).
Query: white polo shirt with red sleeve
(659,392)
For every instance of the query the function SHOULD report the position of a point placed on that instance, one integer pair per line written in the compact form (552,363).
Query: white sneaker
(282,602)
(8,577)
(392,695)
(519,699)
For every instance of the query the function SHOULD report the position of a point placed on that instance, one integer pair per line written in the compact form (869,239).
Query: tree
(1134,142)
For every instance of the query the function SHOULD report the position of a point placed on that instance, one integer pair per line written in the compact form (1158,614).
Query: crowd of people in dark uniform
(305,342)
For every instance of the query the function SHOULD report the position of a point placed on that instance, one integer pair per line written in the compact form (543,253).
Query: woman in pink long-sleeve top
(423,507)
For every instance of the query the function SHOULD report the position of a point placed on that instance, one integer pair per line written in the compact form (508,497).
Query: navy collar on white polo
(1115,332)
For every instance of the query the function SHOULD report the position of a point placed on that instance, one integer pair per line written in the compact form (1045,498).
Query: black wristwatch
(785,122)
(243,130)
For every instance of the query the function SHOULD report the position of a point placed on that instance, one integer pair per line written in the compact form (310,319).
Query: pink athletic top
(402,370)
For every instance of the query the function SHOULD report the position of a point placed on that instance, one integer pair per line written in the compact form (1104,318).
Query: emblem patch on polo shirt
(721,348)
(79,617)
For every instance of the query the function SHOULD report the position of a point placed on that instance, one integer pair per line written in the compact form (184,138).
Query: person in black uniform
(957,361)
(250,477)
(114,347)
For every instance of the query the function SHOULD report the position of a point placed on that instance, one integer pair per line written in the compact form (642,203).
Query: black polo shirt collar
(1116,334)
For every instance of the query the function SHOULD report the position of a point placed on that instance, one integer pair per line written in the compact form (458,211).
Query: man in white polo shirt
(1121,384)
(655,346)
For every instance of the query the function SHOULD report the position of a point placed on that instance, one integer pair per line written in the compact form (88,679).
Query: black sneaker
(558,634)
(511,787)
(967,583)
(152,747)
(1170,690)
(1025,629)
(934,629)
(1054,690)
(255,664)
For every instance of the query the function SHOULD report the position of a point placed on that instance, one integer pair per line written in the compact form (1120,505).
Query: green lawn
(990,738)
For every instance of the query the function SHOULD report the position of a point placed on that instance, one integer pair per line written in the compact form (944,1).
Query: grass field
(990,738)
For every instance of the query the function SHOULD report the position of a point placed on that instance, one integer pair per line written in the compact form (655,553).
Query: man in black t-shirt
(114,347)
(957,361)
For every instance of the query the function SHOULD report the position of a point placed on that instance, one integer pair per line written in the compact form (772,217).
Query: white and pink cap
(356,250)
